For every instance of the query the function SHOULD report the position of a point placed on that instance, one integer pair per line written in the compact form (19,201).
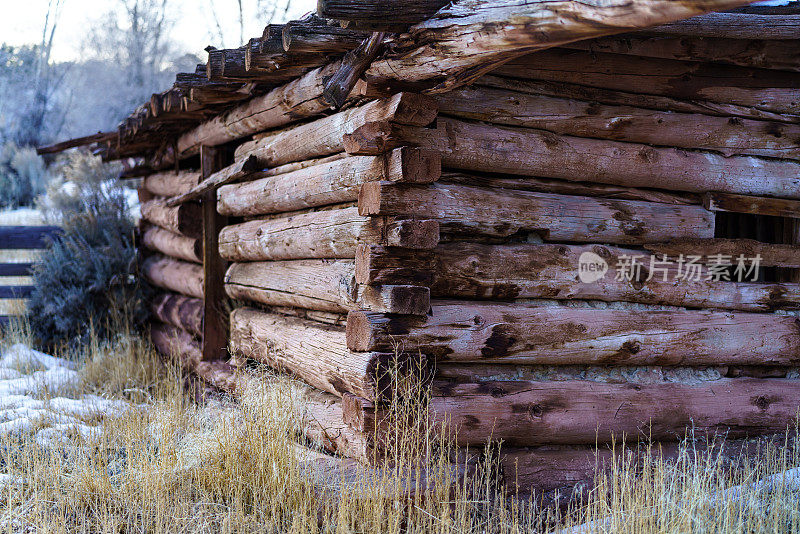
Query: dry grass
(175,465)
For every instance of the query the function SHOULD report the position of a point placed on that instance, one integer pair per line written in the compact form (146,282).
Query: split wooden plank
(463,209)
(324,136)
(518,333)
(315,353)
(326,285)
(172,244)
(317,37)
(525,151)
(177,310)
(771,255)
(215,317)
(169,184)
(770,90)
(470,37)
(330,233)
(174,275)
(776,207)
(756,53)
(353,66)
(231,173)
(186,219)
(327,183)
(623,123)
(27,237)
(372,11)
(550,271)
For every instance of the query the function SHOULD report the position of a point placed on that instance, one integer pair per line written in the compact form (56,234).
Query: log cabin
(580,220)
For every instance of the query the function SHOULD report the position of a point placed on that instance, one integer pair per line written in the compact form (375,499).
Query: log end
(413,233)
(398,299)
(359,332)
(370,139)
(369,199)
(413,165)
(414,109)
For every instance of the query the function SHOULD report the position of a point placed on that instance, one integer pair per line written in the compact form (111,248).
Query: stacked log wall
(444,234)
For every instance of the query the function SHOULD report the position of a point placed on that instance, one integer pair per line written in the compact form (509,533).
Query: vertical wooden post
(215,323)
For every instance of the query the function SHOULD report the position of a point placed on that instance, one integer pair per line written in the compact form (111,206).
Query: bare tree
(250,15)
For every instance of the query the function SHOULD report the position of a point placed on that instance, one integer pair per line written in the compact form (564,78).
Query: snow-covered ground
(35,398)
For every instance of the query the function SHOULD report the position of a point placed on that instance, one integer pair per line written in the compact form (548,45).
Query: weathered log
(525,151)
(354,64)
(386,11)
(530,271)
(563,187)
(734,26)
(27,237)
(627,98)
(169,184)
(327,285)
(295,100)
(572,412)
(15,292)
(770,90)
(470,37)
(224,64)
(175,343)
(328,183)
(552,271)
(324,136)
(174,275)
(316,38)
(315,353)
(757,53)
(172,244)
(771,255)
(561,335)
(182,312)
(331,233)
(235,171)
(777,207)
(388,265)
(623,123)
(463,209)
(185,219)
(99,137)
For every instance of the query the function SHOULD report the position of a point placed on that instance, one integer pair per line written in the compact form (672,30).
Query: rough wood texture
(463,209)
(628,98)
(623,123)
(328,183)
(326,285)
(324,136)
(560,335)
(354,64)
(169,184)
(314,36)
(182,312)
(563,187)
(174,275)
(388,11)
(755,52)
(734,26)
(770,90)
(525,271)
(172,244)
(215,320)
(186,219)
(315,353)
(771,255)
(388,265)
(235,171)
(524,151)
(323,234)
(173,342)
(470,37)
(777,207)
(573,412)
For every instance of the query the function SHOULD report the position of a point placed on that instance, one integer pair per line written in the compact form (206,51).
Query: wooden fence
(21,238)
